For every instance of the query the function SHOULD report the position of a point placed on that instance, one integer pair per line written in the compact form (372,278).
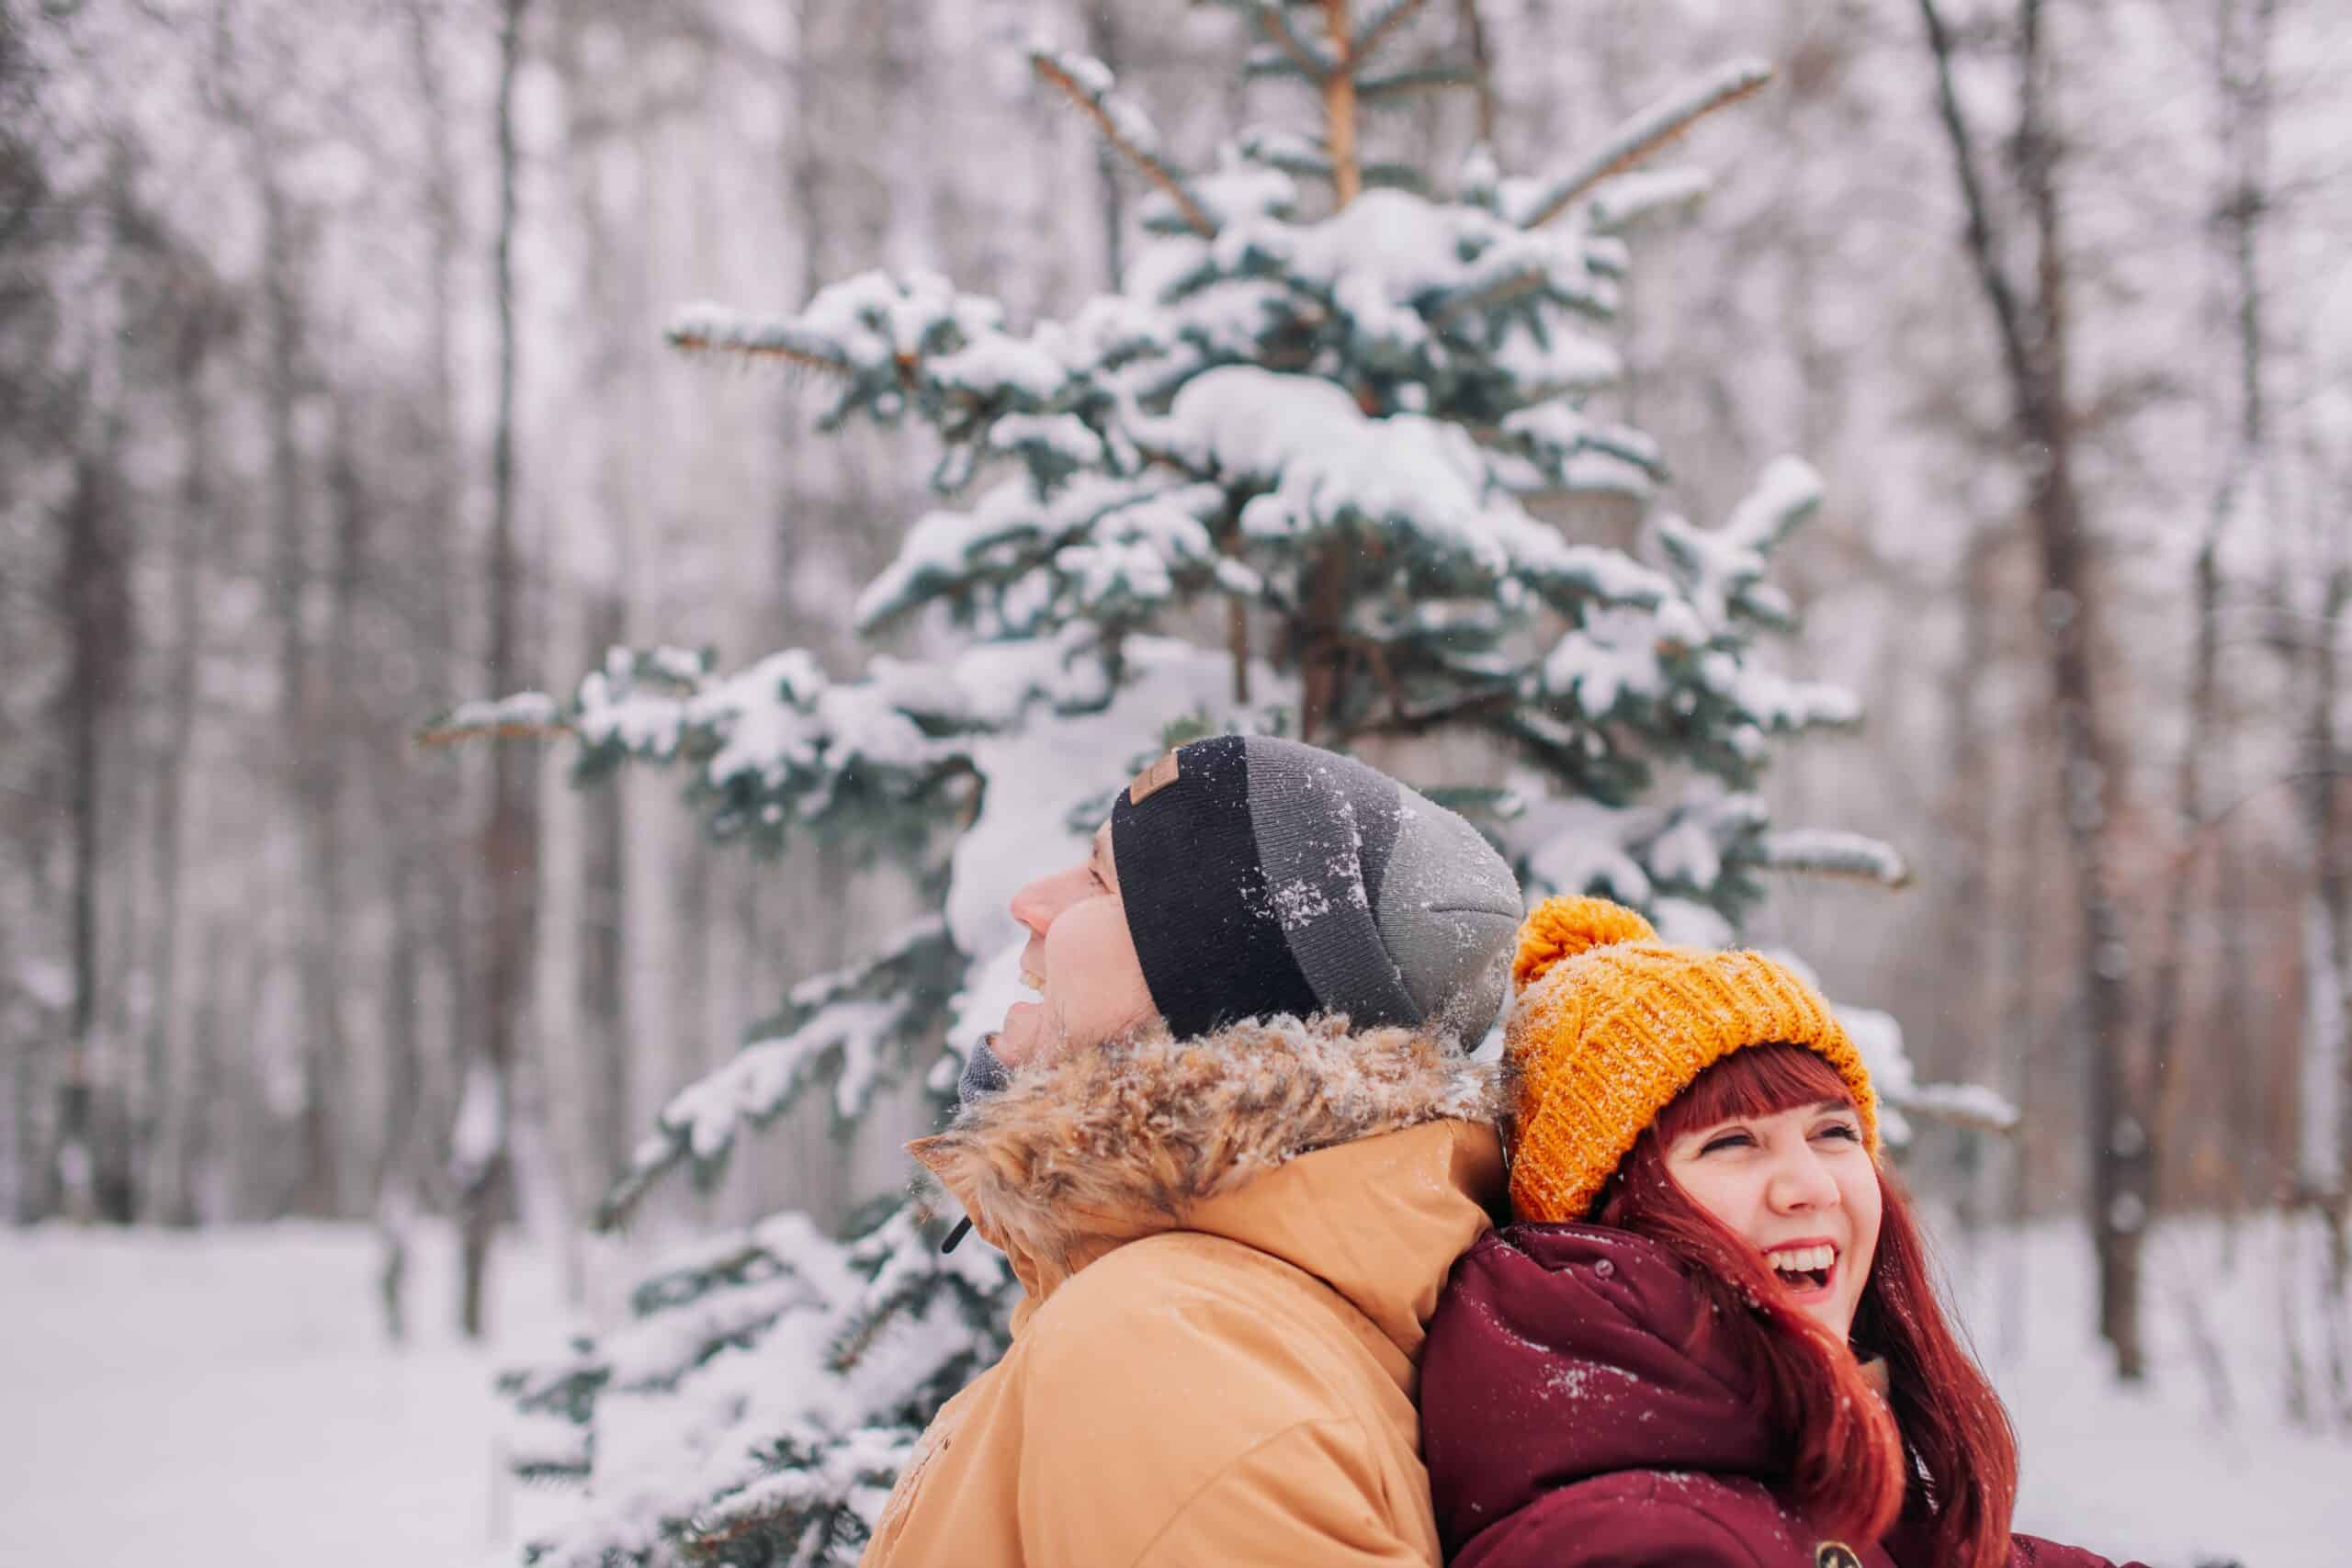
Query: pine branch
(1415,79)
(527,716)
(1273,19)
(1382,22)
(449,734)
(1393,175)
(1623,204)
(1402,720)
(1826,852)
(713,329)
(1642,136)
(1960,1105)
(1288,150)
(1479,296)
(856,1026)
(1268,63)
(1121,126)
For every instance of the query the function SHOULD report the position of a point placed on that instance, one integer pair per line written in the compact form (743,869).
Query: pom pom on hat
(1562,928)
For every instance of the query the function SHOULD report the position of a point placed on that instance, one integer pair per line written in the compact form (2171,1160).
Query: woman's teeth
(1034,980)
(1803,1260)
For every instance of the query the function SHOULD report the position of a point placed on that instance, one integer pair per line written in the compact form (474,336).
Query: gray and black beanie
(1266,876)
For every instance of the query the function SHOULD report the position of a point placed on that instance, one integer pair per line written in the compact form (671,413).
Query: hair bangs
(1757,1081)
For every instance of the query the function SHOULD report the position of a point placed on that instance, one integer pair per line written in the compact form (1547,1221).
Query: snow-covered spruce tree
(1333,420)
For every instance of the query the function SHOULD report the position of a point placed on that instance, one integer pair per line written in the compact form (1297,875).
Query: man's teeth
(1800,1259)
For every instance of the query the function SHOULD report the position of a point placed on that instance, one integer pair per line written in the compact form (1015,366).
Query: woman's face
(1079,960)
(1798,1187)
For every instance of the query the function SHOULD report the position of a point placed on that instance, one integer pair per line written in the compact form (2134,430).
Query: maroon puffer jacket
(1565,1426)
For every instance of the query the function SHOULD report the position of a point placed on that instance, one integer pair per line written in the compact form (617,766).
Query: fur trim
(1123,1140)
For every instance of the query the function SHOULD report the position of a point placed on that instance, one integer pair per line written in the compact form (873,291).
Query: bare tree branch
(2008,310)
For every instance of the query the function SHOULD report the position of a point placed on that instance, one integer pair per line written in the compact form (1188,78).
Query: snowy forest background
(270,498)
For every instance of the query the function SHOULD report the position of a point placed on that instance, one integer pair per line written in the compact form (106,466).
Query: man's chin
(1013,1039)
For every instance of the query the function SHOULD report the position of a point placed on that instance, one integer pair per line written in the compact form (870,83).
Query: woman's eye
(1725,1141)
(1845,1130)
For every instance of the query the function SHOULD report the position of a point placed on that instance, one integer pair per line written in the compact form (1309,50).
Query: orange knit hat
(1611,1024)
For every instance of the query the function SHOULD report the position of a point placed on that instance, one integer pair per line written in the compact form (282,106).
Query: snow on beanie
(1266,876)
(1611,1024)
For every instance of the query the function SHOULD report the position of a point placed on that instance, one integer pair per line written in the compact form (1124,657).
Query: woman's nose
(1801,1182)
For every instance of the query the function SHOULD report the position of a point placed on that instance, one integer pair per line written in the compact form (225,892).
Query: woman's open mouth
(1806,1270)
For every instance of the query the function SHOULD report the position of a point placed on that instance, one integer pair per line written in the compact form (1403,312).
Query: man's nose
(1036,905)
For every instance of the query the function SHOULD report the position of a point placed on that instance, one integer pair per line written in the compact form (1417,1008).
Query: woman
(1711,1339)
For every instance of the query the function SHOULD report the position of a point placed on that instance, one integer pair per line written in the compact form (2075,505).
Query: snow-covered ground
(2202,1466)
(226,1401)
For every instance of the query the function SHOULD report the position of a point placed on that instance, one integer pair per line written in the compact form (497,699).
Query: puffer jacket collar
(1353,1155)
(1566,1351)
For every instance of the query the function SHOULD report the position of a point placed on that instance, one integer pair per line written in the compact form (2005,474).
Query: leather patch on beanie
(1152,780)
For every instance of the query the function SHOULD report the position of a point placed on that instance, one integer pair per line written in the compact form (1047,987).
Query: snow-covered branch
(857,1027)
(703,327)
(1087,84)
(1641,137)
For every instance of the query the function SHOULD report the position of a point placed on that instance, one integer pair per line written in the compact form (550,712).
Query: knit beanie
(1611,1024)
(1263,877)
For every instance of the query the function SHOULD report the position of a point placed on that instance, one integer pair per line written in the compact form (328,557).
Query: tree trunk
(330,739)
(403,1087)
(2323,1142)
(2032,322)
(446,845)
(1969,1023)
(314,1191)
(94,598)
(604,990)
(168,1110)
(510,846)
(2168,977)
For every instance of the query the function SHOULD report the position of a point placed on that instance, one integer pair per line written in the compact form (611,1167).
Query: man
(1231,1150)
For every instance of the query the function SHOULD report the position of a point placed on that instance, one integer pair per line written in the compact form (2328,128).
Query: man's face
(1079,960)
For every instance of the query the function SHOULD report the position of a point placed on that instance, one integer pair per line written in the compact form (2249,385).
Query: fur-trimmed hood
(1275,1133)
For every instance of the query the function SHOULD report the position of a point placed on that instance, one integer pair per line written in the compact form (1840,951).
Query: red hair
(1939,1455)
